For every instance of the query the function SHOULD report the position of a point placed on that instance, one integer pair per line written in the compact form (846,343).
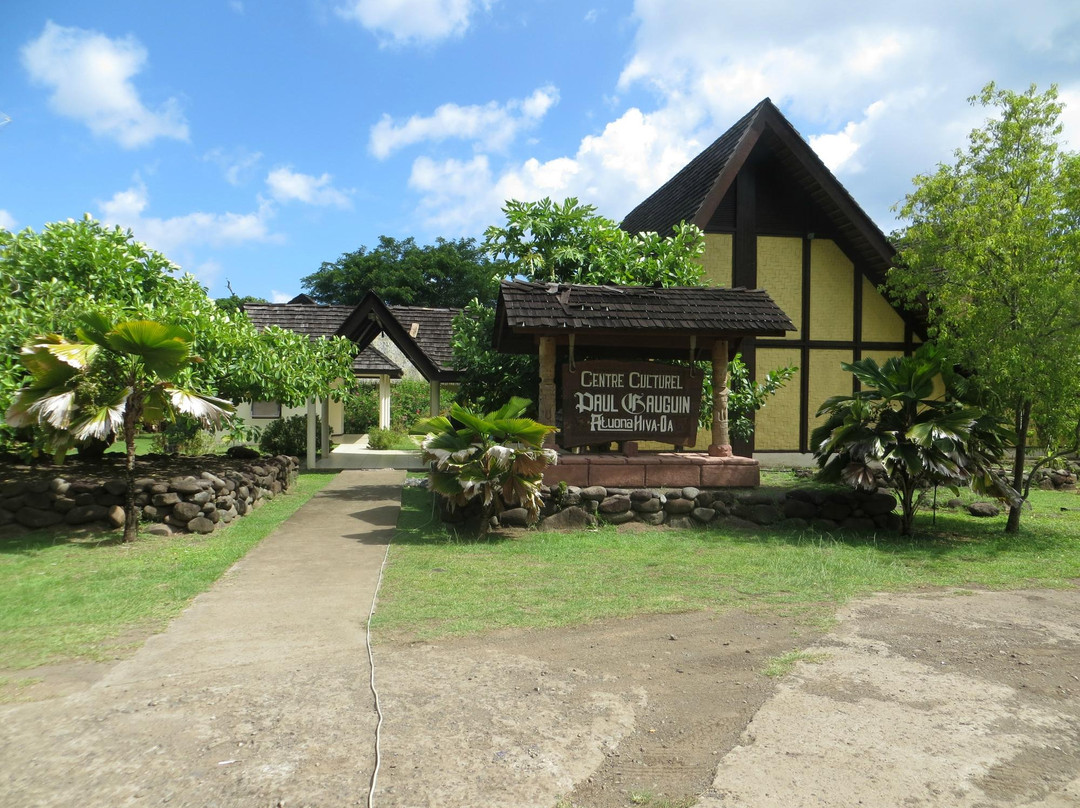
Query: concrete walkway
(257,695)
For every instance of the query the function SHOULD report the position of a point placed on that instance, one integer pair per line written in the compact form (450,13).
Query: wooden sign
(607,401)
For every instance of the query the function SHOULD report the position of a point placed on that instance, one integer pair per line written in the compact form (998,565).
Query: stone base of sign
(649,469)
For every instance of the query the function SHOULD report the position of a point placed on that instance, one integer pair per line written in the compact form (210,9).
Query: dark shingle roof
(538,308)
(434,329)
(316,321)
(680,198)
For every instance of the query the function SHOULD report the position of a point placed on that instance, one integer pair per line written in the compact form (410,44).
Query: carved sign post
(607,401)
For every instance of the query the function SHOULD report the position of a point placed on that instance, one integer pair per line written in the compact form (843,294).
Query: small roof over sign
(631,316)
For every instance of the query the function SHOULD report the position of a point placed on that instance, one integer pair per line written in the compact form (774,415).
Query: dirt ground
(935,699)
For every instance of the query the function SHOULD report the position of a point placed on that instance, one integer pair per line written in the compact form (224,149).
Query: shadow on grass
(419,523)
(29,543)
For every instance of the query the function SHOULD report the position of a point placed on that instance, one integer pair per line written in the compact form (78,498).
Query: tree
(489,377)
(66,391)
(447,274)
(496,460)
(48,280)
(993,249)
(569,243)
(893,427)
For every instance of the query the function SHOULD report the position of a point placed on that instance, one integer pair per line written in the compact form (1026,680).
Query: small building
(775,218)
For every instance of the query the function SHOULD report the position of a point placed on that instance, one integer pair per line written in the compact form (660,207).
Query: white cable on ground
(374,692)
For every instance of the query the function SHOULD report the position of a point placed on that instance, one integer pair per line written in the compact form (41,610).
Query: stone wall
(195,503)
(688,507)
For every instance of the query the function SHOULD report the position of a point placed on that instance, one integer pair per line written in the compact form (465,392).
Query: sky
(252,141)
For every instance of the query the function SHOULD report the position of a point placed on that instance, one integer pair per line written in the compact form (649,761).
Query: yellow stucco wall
(827,378)
(779,272)
(880,322)
(717,260)
(832,297)
(776,426)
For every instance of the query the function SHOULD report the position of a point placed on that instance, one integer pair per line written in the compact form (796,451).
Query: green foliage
(144,358)
(489,376)
(48,280)
(447,274)
(234,302)
(745,396)
(993,247)
(384,439)
(184,436)
(410,400)
(894,428)
(570,243)
(239,432)
(287,436)
(496,460)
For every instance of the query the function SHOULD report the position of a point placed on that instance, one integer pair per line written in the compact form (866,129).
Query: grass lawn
(65,598)
(440,584)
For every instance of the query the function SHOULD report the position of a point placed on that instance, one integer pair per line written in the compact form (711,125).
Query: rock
(159,488)
(116,516)
(187,486)
(734,522)
(647,505)
(620,503)
(643,495)
(570,498)
(704,499)
(186,511)
(827,525)
(12,531)
(59,486)
(858,523)
(983,509)
(35,518)
(757,498)
(165,500)
(835,510)
(228,515)
(690,492)
(13,503)
(878,503)
(242,453)
(85,498)
(594,492)
(888,521)
(152,514)
(201,498)
(41,501)
(214,480)
(242,506)
(704,515)
(115,487)
(12,489)
(620,518)
(573,518)
(38,486)
(158,529)
(81,514)
(652,518)
(514,517)
(681,522)
(955,502)
(679,506)
(6,517)
(108,500)
(200,524)
(214,515)
(796,523)
(590,506)
(797,508)
(765,514)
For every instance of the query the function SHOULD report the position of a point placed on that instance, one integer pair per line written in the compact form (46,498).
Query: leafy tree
(447,274)
(745,396)
(146,357)
(993,247)
(893,427)
(569,243)
(234,302)
(489,377)
(497,459)
(49,279)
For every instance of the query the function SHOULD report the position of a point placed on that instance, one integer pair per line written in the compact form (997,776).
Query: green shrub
(287,436)
(410,400)
(184,436)
(389,439)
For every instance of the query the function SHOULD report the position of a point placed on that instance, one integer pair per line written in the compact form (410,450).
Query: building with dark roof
(775,218)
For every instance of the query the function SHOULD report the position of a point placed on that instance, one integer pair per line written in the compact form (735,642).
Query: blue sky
(252,141)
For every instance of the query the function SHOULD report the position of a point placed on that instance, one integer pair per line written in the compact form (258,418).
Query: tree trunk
(131,515)
(907,507)
(1023,420)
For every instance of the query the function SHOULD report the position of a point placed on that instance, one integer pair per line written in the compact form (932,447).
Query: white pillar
(435,387)
(311,433)
(324,438)
(384,402)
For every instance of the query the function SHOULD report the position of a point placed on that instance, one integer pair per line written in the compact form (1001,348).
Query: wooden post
(435,387)
(384,402)
(721,442)
(547,387)
(324,436)
(311,433)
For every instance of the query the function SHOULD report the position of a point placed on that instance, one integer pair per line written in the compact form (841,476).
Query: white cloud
(492,126)
(7,221)
(838,150)
(286,185)
(237,165)
(280,297)
(404,21)
(208,272)
(1070,116)
(91,76)
(127,208)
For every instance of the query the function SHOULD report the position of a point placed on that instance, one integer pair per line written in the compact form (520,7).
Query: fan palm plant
(895,427)
(495,459)
(117,377)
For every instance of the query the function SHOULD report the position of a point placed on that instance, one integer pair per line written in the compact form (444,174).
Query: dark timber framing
(760,150)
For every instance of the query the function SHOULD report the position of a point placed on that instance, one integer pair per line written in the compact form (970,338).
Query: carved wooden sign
(617,401)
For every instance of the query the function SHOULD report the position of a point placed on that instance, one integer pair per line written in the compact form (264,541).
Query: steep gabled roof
(422,334)
(314,321)
(696,191)
(618,315)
